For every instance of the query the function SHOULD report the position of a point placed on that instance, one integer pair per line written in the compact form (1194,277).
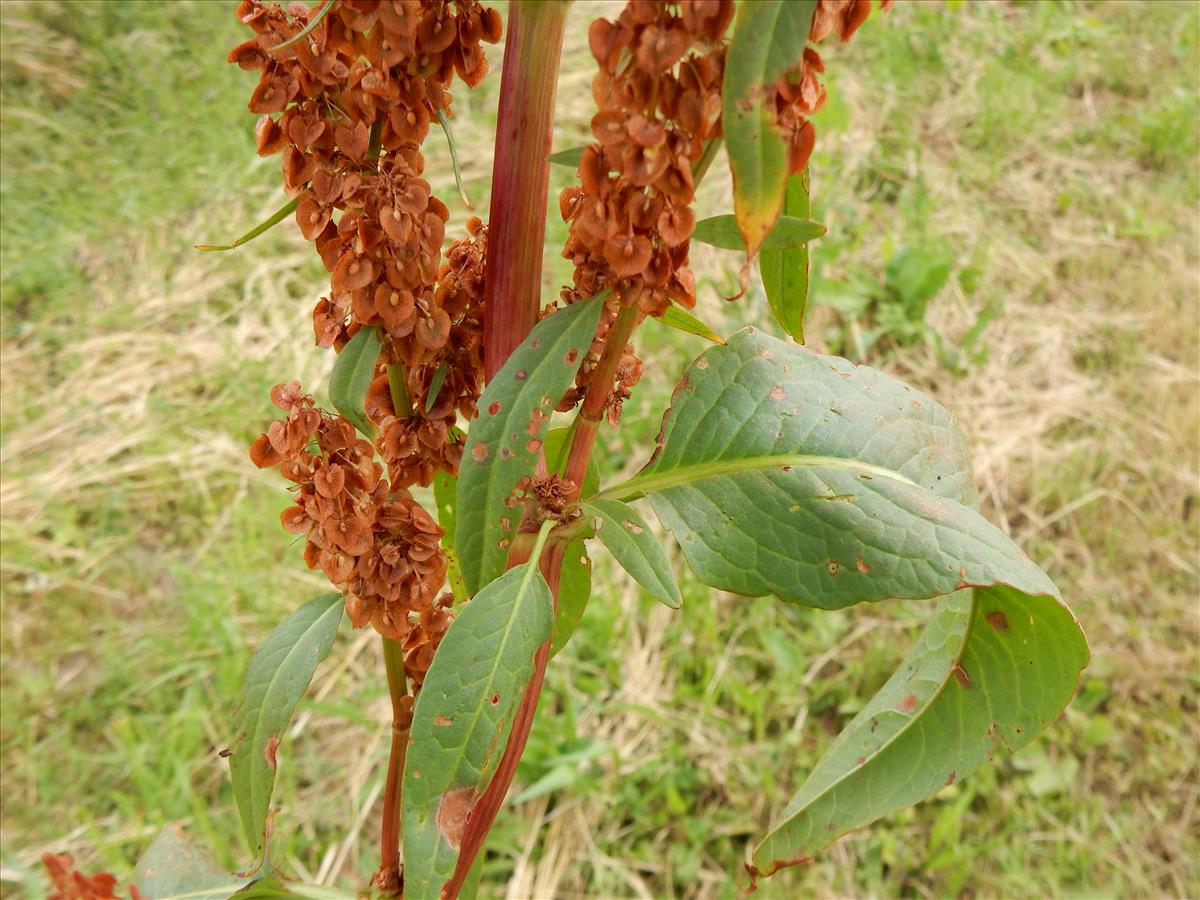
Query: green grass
(1049,150)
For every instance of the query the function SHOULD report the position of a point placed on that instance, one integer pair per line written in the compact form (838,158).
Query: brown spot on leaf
(454,811)
(862,760)
(997,620)
(534,446)
(951,777)
(522,375)
(571,357)
(269,751)
(442,721)
(961,675)
(506,453)
(909,703)
(832,567)
(495,698)
(494,408)
(479,453)
(777,394)
(860,565)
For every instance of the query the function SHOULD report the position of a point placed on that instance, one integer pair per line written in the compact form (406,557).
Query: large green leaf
(785,271)
(462,718)
(277,678)
(631,542)
(768,40)
(504,442)
(782,471)
(351,378)
(789,232)
(992,670)
(174,867)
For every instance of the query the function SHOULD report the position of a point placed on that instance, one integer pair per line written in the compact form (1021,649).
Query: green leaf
(175,867)
(575,579)
(785,272)
(463,715)
(682,320)
(277,677)
(445,496)
(307,29)
(273,888)
(458,180)
(504,441)
(572,156)
(991,671)
(435,386)
(789,232)
(352,375)
(631,542)
(278,216)
(827,484)
(768,40)
(574,592)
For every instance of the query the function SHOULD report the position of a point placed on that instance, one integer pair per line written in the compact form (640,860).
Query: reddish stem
(587,424)
(387,879)
(521,176)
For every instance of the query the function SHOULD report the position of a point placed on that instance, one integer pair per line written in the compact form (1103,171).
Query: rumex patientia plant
(777,470)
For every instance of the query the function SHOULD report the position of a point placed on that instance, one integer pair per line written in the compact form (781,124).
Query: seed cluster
(346,95)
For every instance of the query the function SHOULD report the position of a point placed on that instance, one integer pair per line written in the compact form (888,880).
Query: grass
(1048,151)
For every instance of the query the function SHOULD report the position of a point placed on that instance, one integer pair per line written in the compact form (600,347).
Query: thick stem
(387,879)
(587,423)
(521,176)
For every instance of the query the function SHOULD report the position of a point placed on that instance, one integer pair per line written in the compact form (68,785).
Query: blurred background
(1011,192)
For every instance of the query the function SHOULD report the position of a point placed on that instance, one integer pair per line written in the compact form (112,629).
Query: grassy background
(1040,158)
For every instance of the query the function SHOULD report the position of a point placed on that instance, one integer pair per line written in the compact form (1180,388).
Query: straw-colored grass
(1052,148)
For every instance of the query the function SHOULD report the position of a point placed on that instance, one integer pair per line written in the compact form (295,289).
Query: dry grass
(1084,416)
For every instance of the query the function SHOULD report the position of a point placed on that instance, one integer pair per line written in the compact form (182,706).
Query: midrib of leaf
(531,567)
(258,721)
(689,474)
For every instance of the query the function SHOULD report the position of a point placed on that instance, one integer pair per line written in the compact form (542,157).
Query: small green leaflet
(569,157)
(789,232)
(435,386)
(682,320)
(277,678)
(174,867)
(445,495)
(458,179)
(352,375)
(575,580)
(768,40)
(463,716)
(504,441)
(278,216)
(631,542)
(785,271)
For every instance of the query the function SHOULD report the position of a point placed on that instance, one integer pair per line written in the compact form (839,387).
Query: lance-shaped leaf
(458,179)
(574,592)
(768,40)
(277,678)
(572,157)
(503,443)
(785,271)
(789,232)
(351,378)
(682,320)
(278,216)
(631,542)
(174,867)
(993,669)
(445,495)
(463,716)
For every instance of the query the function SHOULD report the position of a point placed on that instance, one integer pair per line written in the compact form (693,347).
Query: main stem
(521,176)
(387,879)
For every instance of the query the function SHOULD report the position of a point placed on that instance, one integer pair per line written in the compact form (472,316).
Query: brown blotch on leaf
(269,751)
(442,721)
(495,698)
(909,703)
(860,565)
(961,675)
(997,620)
(571,357)
(480,453)
(777,394)
(454,811)
(832,567)
(951,777)
(494,408)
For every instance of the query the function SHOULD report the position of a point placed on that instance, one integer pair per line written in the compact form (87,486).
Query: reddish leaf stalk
(587,424)
(387,879)
(521,176)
